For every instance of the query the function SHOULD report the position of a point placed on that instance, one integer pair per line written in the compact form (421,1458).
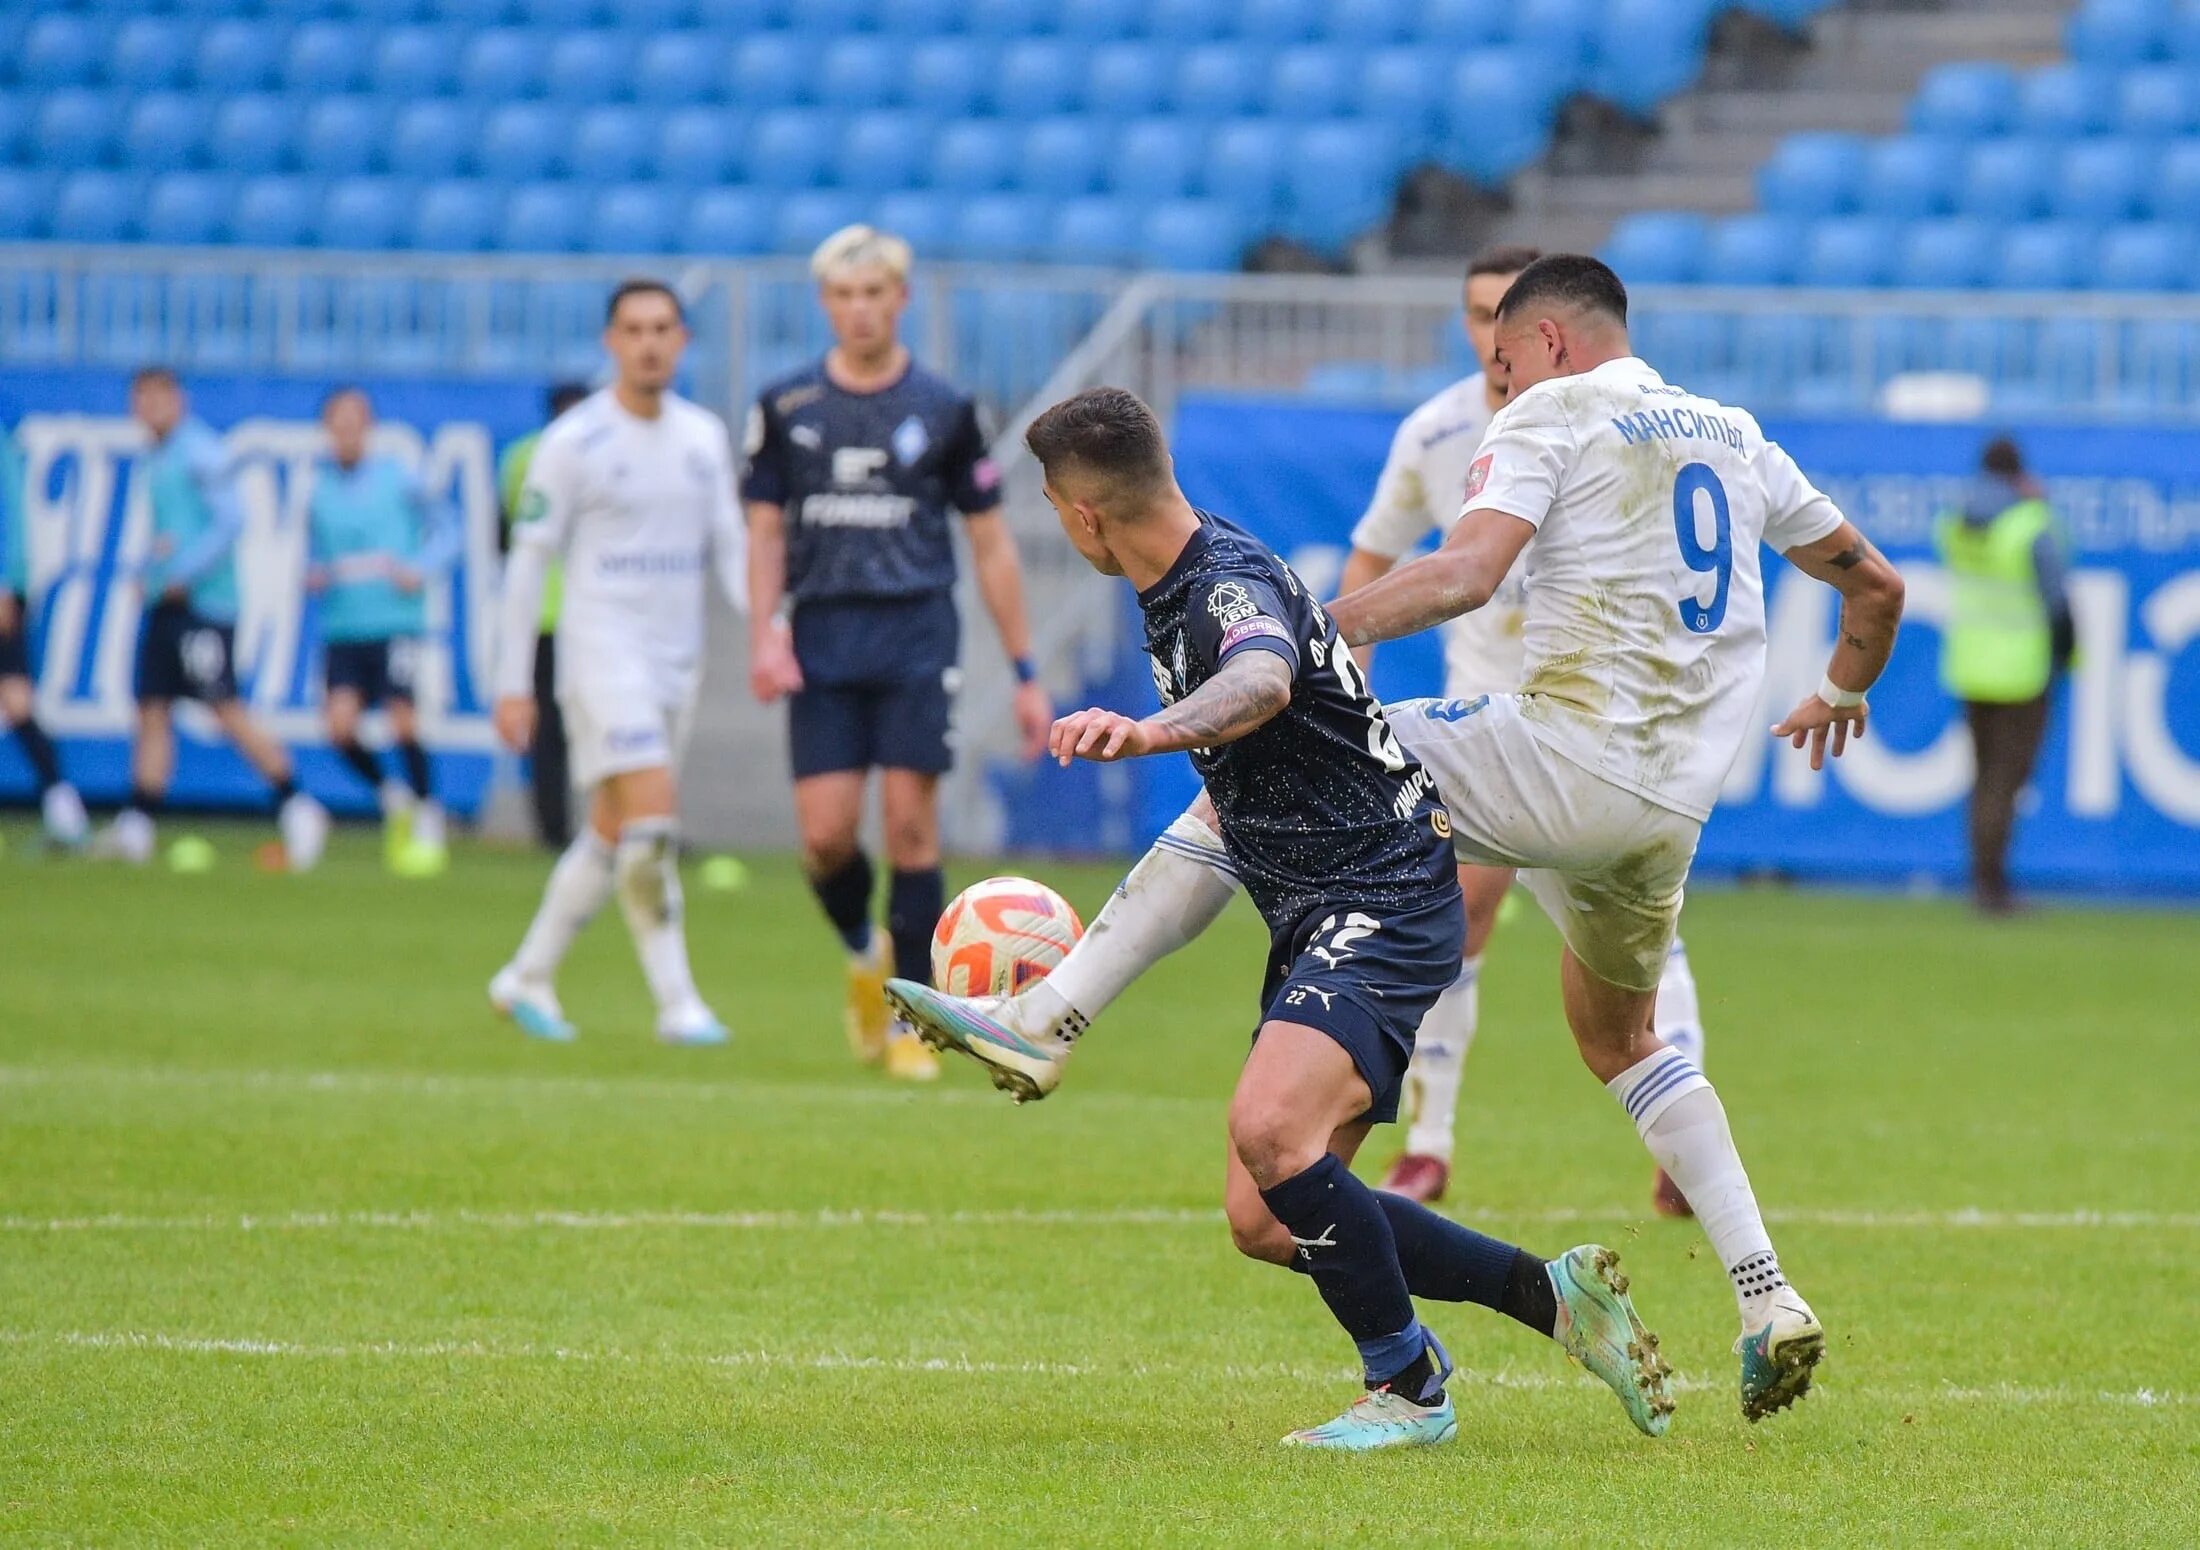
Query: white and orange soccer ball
(1001,935)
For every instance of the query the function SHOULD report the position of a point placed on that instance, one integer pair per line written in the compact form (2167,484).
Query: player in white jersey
(634,489)
(1422,484)
(1640,507)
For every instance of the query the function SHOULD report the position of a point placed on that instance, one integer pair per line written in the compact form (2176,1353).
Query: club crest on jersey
(1479,475)
(910,441)
(1229,602)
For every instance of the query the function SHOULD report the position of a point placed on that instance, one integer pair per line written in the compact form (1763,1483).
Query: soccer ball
(1001,935)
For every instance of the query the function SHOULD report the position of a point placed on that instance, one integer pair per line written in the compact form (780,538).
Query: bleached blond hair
(860,247)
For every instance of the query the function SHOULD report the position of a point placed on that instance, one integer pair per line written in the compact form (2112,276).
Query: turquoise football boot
(1779,1356)
(532,1005)
(1600,1329)
(1381,1419)
(1026,1069)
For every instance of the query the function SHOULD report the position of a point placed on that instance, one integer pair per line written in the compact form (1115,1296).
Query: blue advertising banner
(86,529)
(2116,799)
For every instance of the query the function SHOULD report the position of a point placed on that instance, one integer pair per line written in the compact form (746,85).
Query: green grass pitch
(301,1245)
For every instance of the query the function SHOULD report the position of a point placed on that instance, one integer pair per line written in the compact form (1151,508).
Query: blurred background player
(1422,491)
(853,464)
(376,544)
(2009,634)
(634,489)
(549,776)
(60,808)
(187,638)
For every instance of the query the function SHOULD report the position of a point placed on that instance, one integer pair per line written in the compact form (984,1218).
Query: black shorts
(1366,974)
(15,644)
(907,724)
(375,670)
(181,656)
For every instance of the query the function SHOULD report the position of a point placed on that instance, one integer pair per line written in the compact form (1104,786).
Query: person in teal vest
(376,544)
(2009,635)
(60,808)
(550,776)
(187,633)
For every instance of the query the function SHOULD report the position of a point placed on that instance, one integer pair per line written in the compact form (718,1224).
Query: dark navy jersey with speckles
(1320,805)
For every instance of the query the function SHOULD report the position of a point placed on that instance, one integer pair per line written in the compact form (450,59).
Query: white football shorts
(616,724)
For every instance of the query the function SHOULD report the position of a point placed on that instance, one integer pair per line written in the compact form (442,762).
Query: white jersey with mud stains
(1421,491)
(1646,620)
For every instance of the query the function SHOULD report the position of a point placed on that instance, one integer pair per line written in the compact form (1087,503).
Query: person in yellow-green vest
(2009,634)
(549,776)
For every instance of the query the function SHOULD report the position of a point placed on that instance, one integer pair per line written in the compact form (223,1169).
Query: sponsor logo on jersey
(1246,629)
(795,397)
(856,465)
(1229,602)
(911,441)
(1479,474)
(805,437)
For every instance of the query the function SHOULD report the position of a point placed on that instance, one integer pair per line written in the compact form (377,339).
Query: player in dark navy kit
(1338,836)
(854,466)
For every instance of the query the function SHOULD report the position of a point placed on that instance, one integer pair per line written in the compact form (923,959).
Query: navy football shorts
(376,670)
(1366,974)
(181,656)
(15,644)
(907,724)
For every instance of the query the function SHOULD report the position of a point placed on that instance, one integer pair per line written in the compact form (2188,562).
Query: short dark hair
(1505,258)
(1108,430)
(1571,280)
(564,395)
(146,376)
(345,390)
(642,285)
(2003,459)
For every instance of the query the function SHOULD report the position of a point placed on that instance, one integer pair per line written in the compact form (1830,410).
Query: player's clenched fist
(1102,736)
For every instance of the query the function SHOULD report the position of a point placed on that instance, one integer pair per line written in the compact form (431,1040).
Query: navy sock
(414,758)
(144,799)
(1345,1244)
(39,749)
(1446,1262)
(914,902)
(846,895)
(285,789)
(363,762)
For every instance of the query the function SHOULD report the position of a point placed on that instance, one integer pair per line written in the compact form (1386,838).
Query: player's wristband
(1838,697)
(1026,669)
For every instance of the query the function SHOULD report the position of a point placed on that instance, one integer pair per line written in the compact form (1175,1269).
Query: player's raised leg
(1423,1170)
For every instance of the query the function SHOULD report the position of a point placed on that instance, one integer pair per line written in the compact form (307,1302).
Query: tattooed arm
(1250,690)
(1871,613)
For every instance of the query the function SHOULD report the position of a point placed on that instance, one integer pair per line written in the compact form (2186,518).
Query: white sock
(1684,1125)
(396,797)
(1439,1059)
(578,886)
(428,824)
(648,874)
(1172,895)
(1679,1019)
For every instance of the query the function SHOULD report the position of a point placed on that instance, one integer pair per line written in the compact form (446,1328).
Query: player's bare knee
(1255,1233)
(823,855)
(647,869)
(1272,1143)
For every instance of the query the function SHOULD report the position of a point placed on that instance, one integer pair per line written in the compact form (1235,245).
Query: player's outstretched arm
(1245,694)
(1871,615)
(1421,594)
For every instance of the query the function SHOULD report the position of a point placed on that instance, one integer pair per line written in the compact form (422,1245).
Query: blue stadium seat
(632,218)
(150,53)
(1453,24)
(1813,175)
(860,72)
(820,19)
(187,208)
(1967,101)
(1199,235)
(2101,181)
(973,156)
(733,222)
(1909,176)
(1852,252)
(365,213)
(1567,28)
(1005,18)
(2144,256)
(503,63)
(454,216)
(674,69)
(2065,100)
(1218,80)
(1100,232)
(26,202)
(2159,101)
(1338,181)
(2181,38)
(948,77)
(1100,21)
(2117,32)
(789,147)
(700,146)
(591,66)
(542,218)
(1040,76)
(273,212)
(565,15)
(804,220)
(2006,180)
(239,56)
(1311,82)
(642,16)
(253,133)
(1004,227)
(921,218)
(2176,192)
(1403,88)
(1369,23)
(1658,248)
(61,50)
(1245,167)
(520,141)
(611,145)
(16,112)
(1752,250)
(770,70)
(1500,104)
(1186,21)
(1648,50)
(76,128)
(97,207)
(917,18)
(344,136)
(166,132)
(326,57)
(414,62)
(1124,80)
(433,139)
(1062,157)
(883,150)
(1946,255)
(1279,22)
(1155,158)
(2043,256)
